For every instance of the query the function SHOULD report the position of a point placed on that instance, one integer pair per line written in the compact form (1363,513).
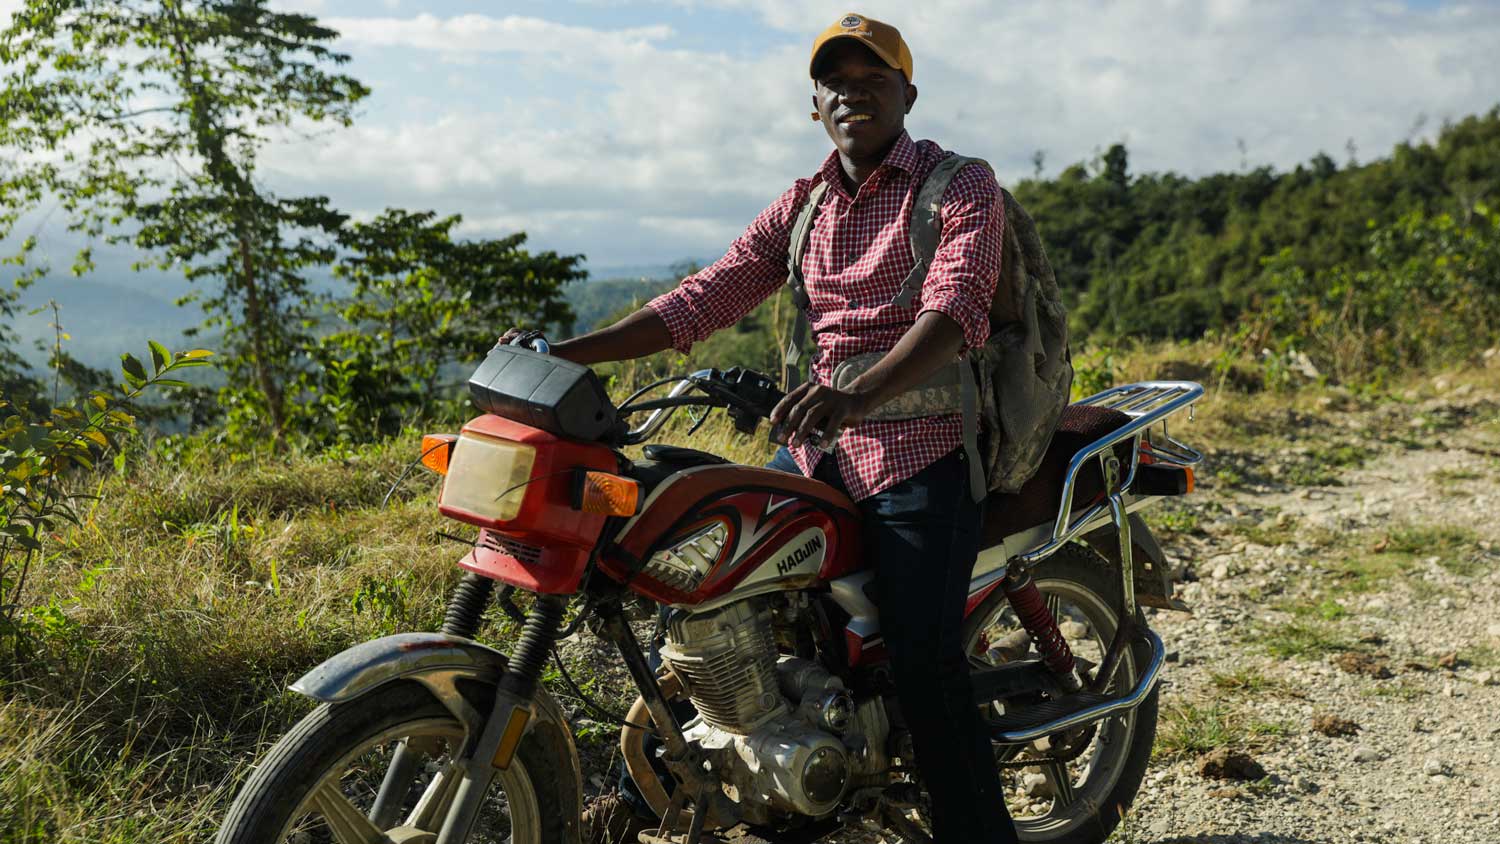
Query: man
(910,477)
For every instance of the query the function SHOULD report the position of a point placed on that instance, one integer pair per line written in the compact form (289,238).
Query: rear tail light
(487,477)
(1163,479)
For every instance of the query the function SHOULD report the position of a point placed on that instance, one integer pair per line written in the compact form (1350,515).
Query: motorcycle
(769,631)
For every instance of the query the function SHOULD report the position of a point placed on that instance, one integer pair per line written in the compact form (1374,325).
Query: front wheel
(1073,788)
(320,783)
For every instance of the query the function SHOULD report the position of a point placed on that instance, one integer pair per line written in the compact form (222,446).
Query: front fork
(494,747)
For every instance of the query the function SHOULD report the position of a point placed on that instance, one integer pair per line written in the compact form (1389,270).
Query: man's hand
(516,333)
(815,408)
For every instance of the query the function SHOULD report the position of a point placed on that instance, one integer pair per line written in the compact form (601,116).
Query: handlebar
(659,417)
(746,395)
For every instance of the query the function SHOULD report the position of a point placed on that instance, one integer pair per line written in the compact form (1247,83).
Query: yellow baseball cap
(883,40)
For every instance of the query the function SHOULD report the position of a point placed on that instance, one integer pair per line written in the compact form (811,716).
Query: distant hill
(102,318)
(105,318)
(595,301)
(1166,256)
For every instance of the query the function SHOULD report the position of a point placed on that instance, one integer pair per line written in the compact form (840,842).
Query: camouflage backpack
(1011,391)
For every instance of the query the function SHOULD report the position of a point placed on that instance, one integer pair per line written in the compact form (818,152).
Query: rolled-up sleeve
(749,273)
(961,281)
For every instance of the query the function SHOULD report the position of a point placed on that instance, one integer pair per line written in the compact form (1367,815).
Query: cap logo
(851,21)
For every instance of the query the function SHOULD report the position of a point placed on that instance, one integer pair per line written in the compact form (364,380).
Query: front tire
(318,784)
(1083,589)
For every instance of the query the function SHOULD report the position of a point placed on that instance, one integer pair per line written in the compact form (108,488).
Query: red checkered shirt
(858,254)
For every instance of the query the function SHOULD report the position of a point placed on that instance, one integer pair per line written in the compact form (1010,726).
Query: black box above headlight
(560,397)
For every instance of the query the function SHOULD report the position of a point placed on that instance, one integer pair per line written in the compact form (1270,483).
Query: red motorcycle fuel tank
(516,483)
(709,531)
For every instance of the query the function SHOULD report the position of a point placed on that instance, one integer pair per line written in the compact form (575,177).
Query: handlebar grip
(532,340)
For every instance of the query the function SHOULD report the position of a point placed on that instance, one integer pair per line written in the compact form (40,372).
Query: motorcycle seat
(663,461)
(1037,501)
(663,453)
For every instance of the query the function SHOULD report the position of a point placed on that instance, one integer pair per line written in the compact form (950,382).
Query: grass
(165,628)
(1322,464)
(1481,656)
(1401,690)
(1173,519)
(1248,681)
(1458,475)
(1192,728)
(1300,640)
(1363,572)
(1310,608)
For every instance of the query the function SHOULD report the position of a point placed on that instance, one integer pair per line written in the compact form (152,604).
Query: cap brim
(884,56)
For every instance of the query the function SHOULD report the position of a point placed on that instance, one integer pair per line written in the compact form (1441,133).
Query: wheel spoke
(1056,772)
(433,804)
(1054,604)
(398,779)
(347,824)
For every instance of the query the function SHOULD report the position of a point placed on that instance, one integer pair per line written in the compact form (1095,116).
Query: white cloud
(485,34)
(670,151)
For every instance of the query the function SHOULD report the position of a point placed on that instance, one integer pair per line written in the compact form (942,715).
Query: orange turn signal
(611,495)
(437,450)
(1192,481)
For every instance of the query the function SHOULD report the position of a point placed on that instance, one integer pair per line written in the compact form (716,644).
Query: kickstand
(672,819)
(894,813)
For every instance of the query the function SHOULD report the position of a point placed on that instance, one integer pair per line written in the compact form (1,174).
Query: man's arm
(636,336)
(955,315)
(711,299)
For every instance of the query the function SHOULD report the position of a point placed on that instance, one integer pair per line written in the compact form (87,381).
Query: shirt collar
(903,156)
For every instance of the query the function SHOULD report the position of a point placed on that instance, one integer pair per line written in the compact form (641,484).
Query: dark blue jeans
(922,535)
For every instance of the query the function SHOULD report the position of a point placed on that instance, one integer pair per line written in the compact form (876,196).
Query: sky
(642,133)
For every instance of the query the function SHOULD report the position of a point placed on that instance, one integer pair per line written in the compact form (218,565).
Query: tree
(421,300)
(144,119)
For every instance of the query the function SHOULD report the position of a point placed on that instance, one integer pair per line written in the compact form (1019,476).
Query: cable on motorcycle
(589,704)
(648,388)
(698,422)
(407,471)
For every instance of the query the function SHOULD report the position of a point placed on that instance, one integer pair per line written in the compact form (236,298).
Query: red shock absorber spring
(1039,622)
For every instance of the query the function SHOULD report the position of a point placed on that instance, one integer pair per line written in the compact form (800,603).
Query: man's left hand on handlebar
(816,413)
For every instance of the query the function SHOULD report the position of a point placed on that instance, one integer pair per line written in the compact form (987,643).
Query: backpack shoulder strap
(927,221)
(796,250)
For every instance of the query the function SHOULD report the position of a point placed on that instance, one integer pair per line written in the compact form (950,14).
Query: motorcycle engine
(782,732)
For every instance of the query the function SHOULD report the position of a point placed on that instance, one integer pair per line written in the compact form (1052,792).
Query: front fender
(438,662)
(404,656)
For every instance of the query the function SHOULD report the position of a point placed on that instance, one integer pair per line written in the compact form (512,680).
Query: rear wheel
(319,783)
(1073,788)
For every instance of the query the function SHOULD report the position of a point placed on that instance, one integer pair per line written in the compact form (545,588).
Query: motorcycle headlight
(487,477)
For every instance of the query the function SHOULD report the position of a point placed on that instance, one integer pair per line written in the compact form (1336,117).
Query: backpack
(1011,391)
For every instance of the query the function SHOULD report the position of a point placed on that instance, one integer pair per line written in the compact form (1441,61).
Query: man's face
(862,100)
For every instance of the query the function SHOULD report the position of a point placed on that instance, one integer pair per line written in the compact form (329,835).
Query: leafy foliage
(39,453)
(421,300)
(143,118)
(1426,293)
(1166,256)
